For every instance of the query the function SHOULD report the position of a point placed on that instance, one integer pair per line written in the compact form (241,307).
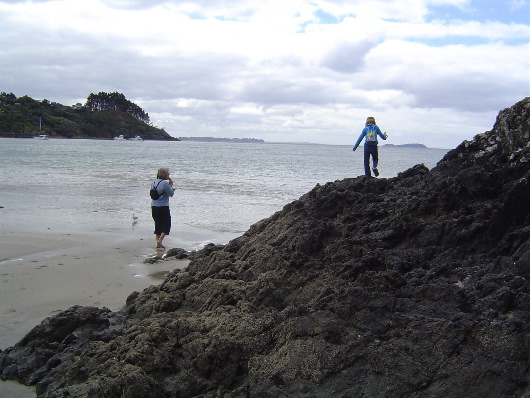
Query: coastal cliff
(413,286)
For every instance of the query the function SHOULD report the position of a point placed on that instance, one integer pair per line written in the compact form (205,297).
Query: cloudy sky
(435,72)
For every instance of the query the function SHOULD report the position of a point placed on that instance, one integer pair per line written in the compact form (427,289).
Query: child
(370,133)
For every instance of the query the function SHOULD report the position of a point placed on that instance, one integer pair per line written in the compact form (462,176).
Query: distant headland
(103,116)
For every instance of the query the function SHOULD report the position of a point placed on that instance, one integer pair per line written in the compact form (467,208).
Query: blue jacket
(370,134)
(163,188)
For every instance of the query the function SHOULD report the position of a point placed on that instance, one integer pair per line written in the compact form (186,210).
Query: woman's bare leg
(159,244)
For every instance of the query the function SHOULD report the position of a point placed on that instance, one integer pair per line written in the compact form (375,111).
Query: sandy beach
(45,272)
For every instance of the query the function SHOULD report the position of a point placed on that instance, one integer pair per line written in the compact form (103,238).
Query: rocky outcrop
(414,286)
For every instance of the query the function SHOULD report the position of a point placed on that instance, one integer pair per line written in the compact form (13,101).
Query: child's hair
(370,119)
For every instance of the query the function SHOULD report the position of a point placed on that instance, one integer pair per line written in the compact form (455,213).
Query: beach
(44,272)
(75,215)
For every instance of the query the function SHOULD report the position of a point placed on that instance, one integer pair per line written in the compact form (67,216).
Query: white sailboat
(41,136)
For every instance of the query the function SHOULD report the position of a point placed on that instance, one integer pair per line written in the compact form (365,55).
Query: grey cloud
(205,76)
(462,91)
(468,96)
(283,91)
(52,63)
(347,57)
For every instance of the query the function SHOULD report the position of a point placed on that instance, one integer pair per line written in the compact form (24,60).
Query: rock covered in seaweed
(414,286)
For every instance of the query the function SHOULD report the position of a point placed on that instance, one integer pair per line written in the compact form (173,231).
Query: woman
(160,207)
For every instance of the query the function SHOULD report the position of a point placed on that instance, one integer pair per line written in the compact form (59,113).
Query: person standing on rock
(160,207)
(370,133)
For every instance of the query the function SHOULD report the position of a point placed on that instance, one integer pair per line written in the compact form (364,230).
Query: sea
(222,188)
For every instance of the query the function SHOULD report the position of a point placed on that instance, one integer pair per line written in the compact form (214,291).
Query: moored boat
(41,137)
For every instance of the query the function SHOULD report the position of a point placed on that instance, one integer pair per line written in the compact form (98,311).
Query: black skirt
(162,217)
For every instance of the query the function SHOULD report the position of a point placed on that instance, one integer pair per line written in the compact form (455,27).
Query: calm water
(222,188)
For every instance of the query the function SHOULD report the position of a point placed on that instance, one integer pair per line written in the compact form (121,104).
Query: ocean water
(221,188)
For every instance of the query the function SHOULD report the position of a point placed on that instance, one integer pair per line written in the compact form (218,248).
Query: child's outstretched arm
(359,140)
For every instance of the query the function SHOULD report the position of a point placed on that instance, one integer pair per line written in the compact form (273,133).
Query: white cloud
(293,70)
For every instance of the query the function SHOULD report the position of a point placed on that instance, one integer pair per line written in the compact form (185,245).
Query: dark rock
(414,286)
(177,253)
(152,260)
(205,251)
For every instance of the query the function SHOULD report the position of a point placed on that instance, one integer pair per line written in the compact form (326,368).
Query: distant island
(103,116)
(215,139)
(407,145)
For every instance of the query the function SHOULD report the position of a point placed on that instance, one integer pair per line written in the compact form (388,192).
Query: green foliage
(65,127)
(105,115)
(115,102)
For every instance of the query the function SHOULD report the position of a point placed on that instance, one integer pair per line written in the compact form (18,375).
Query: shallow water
(222,188)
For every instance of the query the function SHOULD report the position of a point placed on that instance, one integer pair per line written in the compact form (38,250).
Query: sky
(435,72)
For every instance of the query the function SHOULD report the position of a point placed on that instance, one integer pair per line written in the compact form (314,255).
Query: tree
(115,102)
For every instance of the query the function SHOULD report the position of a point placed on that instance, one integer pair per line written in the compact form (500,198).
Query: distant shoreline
(229,140)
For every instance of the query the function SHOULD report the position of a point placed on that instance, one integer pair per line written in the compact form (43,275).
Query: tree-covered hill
(104,115)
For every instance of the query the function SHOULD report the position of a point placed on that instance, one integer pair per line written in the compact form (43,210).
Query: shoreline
(43,273)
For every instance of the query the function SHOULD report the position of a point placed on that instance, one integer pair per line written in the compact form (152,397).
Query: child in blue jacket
(370,133)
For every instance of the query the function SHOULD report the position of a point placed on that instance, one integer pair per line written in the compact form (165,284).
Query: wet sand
(43,273)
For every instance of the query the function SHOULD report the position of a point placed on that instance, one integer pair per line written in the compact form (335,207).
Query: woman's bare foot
(159,245)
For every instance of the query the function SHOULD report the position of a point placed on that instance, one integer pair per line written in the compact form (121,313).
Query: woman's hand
(170,182)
